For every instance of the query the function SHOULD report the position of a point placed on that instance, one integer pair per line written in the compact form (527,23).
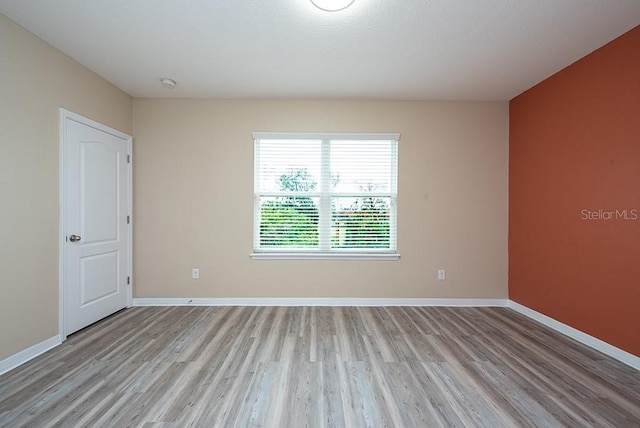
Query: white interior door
(96,244)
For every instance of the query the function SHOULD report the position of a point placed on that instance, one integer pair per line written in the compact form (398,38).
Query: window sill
(324,256)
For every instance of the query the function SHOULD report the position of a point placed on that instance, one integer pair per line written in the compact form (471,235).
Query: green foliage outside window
(364,225)
(283,224)
(292,221)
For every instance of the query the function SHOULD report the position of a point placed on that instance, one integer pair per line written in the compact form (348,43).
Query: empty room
(320,213)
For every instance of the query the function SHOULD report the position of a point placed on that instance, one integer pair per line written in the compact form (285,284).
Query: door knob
(74,238)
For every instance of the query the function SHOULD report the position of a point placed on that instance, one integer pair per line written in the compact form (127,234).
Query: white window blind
(325,193)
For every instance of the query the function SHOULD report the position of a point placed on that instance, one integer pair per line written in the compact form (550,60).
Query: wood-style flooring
(320,367)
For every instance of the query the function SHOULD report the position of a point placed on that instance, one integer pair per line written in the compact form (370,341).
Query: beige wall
(193,183)
(35,80)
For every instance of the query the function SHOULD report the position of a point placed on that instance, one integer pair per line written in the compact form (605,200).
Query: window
(325,195)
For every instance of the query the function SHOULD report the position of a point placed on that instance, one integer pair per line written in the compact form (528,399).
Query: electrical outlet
(441,274)
(195,273)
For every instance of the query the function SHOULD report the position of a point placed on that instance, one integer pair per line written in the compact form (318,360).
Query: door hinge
(128,219)
(128,158)
(128,280)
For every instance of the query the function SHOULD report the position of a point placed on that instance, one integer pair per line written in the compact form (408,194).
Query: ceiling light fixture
(168,83)
(332,5)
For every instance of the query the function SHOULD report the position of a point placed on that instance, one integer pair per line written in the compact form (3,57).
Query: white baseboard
(578,335)
(316,301)
(30,353)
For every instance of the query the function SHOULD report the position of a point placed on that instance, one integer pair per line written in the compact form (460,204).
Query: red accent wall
(574,195)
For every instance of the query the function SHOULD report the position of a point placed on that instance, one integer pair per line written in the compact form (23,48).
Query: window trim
(324,136)
(306,254)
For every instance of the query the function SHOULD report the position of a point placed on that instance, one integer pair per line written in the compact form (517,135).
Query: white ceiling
(376,49)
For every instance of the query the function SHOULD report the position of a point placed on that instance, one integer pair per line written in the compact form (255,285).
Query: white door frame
(62,232)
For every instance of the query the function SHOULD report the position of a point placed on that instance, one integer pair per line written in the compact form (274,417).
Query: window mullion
(324,223)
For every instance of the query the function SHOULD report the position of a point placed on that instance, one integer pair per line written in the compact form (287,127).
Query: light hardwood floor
(320,367)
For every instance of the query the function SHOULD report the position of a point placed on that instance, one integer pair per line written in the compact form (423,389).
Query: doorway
(95,221)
